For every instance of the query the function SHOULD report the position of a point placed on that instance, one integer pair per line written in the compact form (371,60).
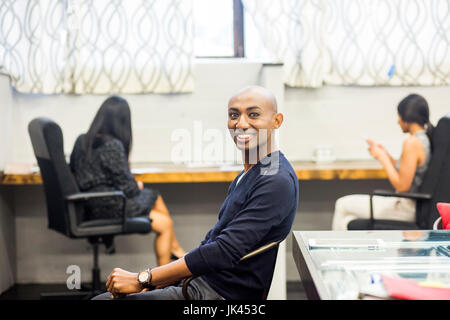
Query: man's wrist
(144,279)
(150,285)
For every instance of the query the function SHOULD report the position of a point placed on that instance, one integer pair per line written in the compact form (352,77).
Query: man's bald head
(256,93)
(252,116)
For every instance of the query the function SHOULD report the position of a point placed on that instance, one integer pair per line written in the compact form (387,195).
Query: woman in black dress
(99,162)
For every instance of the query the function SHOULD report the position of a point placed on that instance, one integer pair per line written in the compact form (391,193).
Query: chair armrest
(436,223)
(408,195)
(260,250)
(84,196)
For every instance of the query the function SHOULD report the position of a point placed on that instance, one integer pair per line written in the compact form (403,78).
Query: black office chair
(66,204)
(435,188)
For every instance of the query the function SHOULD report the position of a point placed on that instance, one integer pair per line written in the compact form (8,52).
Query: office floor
(33,291)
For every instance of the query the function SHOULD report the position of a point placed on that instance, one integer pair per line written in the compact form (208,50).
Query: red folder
(444,211)
(410,290)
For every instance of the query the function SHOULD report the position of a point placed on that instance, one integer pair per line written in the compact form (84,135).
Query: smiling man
(252,119)
(259,208)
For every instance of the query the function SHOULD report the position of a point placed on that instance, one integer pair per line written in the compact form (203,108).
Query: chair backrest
(47,140)
(437,179)
(254,253)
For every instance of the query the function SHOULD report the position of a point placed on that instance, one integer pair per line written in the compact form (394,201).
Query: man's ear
(277,120)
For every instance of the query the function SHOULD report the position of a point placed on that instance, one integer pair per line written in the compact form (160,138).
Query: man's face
(250,120)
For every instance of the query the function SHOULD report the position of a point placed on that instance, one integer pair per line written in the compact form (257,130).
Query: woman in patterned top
(99,162)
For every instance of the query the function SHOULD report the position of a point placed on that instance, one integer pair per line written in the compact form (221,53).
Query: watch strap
(147,284)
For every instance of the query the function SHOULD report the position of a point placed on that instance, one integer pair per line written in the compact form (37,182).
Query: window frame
(238,28)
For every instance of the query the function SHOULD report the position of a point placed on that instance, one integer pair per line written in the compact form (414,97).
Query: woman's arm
(392,160)
(402,179)
(373,143)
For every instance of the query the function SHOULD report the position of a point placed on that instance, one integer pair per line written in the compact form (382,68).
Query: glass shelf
(350,264)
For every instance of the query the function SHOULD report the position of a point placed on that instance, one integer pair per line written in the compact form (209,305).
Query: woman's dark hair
(414,108)
(112,119)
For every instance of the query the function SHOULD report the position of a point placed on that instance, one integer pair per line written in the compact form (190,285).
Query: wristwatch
(145,279)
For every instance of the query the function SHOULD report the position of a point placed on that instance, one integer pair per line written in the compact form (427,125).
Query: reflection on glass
(421,256)
(342,284)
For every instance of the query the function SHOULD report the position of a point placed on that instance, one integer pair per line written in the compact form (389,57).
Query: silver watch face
(143,276)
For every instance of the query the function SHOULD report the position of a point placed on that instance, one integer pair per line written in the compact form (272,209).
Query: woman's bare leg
(161,206)
(175,248)
(163,226)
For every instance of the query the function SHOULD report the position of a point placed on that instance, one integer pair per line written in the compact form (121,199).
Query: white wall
(6,123)
(7,232)
(154,117)
(338,116)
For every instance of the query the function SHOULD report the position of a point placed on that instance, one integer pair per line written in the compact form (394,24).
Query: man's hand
(140,185)
(121,282)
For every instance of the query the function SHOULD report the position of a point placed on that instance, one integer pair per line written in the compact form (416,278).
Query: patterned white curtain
(357,42)
(99,47)
(31,50)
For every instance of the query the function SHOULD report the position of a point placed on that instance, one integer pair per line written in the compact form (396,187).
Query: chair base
(86,292)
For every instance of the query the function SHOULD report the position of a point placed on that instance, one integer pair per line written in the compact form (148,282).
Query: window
(224,29)
(213,31)
(255,47)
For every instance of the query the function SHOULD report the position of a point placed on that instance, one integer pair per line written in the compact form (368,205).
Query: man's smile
(242,138)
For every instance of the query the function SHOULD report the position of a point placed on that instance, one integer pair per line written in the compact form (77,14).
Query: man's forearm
(170,273)
(121,282)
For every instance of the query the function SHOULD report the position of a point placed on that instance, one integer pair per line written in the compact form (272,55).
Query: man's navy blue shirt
(257,211)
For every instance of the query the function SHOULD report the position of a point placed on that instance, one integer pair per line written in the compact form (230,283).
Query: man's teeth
(243,136)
